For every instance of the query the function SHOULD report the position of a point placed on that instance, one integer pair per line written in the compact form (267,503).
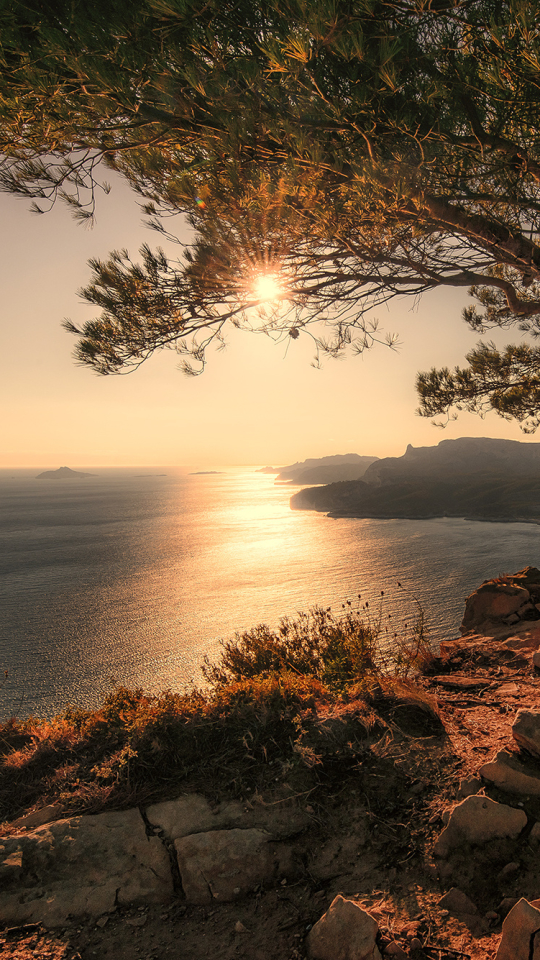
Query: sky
(254,404)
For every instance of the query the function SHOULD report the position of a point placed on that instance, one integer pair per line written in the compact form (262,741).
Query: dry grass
(266,701)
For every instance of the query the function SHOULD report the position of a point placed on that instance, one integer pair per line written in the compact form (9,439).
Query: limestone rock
(494,601)
(526,730)
(477,820)
(191,813)
(225,864)
(345,932)
(82,866)
(521,933)
(457,902)
(508,773)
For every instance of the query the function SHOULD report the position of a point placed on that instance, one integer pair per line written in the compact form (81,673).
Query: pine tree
(352,150)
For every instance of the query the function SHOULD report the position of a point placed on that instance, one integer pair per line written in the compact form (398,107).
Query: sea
(132,576)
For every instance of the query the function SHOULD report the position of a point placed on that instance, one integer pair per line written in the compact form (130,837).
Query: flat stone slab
(81,867)
(508,773)
(225,864)
(191,813)
(477,820)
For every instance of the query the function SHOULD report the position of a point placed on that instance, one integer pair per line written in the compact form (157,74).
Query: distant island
(206,473)
(63,473)
(476,478)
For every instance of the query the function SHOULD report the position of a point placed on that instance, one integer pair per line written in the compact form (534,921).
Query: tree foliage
(355,150)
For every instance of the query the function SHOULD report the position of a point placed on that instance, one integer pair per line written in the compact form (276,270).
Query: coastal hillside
(347,466)
(477,478)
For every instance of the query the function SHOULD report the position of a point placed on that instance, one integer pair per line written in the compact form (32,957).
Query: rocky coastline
(424,844)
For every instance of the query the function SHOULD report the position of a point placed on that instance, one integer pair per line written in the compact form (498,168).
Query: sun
(267,287)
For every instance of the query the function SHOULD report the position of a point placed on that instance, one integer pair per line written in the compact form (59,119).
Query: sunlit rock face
(505,601)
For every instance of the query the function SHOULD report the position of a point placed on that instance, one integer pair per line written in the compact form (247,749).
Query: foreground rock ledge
(83,866)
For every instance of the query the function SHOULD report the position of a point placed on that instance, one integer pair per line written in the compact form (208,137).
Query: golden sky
(254,404)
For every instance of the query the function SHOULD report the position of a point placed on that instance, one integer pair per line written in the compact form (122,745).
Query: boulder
(477,820)
(526,730)
(521,933)
(508,773)
(495,600)
(82,866)
(227,864)
(345,932)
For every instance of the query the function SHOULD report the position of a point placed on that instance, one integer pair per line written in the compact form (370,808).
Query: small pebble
(239,927)
(416,944)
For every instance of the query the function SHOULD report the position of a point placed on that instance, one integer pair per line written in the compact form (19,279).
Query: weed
(267,704)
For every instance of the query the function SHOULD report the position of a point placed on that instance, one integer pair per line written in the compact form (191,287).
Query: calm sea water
(131,577)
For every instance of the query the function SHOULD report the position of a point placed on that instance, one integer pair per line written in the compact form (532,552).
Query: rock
(395,951)
(82,866)
(53,811)
(457,902)
(192,813)
(526,730)
(534,836)
(240,928)
(468,787)
(136,921)
(226,864)
(477,820)
(508,773)
(345,932)
(518,933)
(494,600)
(536,656)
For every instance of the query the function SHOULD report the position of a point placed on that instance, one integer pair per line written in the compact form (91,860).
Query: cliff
(477,478)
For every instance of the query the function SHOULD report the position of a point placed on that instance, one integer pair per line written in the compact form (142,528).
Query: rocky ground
(369,830)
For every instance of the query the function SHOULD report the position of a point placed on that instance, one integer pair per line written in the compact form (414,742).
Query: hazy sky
(252,405)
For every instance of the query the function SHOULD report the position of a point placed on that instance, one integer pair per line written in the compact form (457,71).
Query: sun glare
(267,287)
